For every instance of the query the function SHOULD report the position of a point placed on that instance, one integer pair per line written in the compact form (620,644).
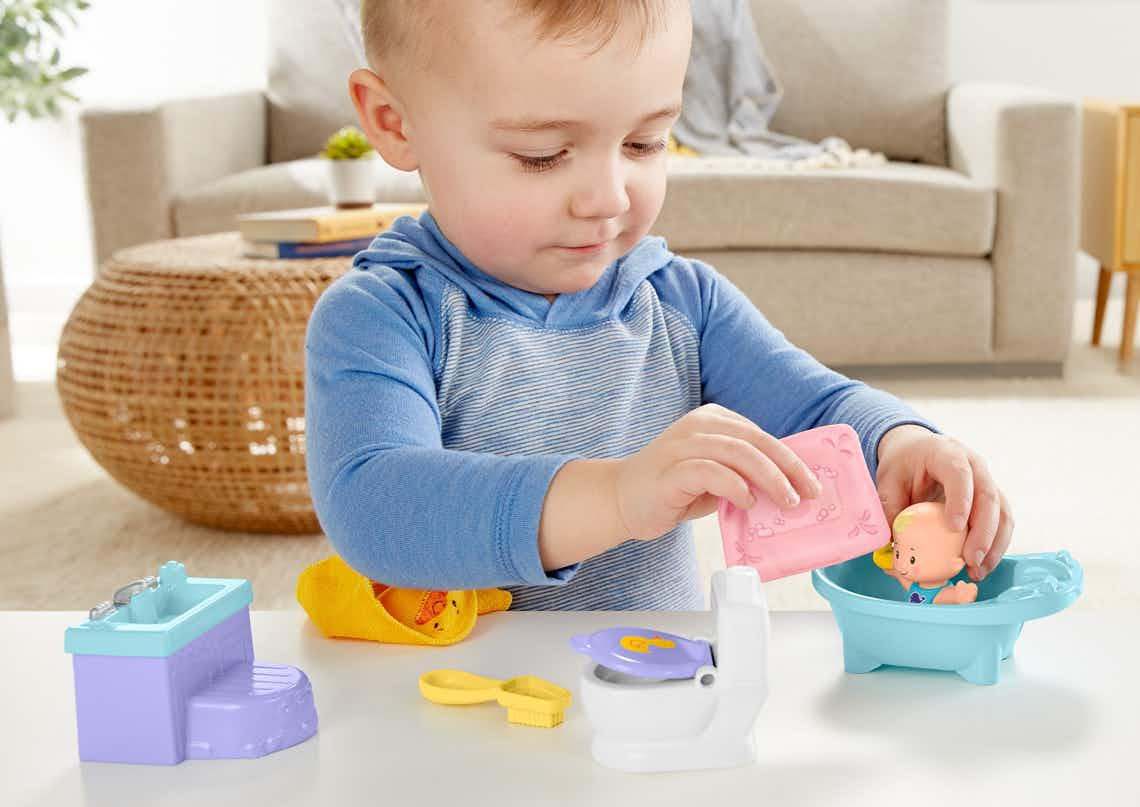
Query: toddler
(522,388)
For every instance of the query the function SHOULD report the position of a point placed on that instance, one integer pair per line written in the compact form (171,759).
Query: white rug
(1064,450)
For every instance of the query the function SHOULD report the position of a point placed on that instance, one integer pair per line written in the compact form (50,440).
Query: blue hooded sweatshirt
(440,402)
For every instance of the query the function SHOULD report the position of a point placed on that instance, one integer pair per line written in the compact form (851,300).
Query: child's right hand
(711,452)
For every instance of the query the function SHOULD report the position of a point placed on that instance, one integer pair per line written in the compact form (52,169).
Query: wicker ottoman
(182,371)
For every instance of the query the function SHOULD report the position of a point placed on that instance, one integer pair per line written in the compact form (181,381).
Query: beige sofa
(960,251)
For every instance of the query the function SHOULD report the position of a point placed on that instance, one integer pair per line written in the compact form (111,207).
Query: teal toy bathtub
(880,628)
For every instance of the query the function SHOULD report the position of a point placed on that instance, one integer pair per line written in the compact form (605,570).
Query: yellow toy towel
(344,603)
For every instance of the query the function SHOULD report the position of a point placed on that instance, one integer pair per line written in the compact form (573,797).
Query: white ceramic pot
(352,183)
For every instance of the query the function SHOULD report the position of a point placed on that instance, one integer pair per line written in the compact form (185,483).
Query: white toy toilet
(659,702)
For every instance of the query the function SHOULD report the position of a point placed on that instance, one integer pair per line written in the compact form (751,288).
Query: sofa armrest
(138,159)
(1024,143)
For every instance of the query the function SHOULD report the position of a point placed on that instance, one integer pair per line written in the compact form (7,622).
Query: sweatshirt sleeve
(748,366)
(396,505)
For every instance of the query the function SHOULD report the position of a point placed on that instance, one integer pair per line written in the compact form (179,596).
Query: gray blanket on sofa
(731,92)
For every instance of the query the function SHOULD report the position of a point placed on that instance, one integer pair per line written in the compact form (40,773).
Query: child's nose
(601,195)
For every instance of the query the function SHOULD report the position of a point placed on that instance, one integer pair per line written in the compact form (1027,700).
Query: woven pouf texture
(181,370)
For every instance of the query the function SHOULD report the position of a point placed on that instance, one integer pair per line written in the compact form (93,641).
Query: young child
(521,388)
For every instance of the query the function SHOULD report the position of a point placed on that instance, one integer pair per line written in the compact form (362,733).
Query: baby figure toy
(925,556)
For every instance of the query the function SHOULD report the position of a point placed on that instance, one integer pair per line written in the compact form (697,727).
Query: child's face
(543,207)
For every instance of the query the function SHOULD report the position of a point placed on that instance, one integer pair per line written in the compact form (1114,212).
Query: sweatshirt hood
(419,246)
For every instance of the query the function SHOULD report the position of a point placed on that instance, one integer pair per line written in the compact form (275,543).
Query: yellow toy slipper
(344,603)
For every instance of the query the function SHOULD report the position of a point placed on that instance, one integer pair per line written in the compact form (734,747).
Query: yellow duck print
(345,604)
(643,644)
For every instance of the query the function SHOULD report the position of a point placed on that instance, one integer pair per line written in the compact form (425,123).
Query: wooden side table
(1110,208)
(181,369)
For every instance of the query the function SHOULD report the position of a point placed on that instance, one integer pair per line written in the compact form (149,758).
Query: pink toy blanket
(846,520)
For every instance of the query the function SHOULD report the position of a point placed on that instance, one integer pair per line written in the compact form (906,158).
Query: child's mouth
(586,249)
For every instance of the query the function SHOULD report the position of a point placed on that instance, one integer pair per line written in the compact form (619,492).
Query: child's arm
(403,510)
(397,506)
(681,474)
(748,366)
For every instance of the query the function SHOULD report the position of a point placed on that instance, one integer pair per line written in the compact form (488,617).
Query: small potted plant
(352,168)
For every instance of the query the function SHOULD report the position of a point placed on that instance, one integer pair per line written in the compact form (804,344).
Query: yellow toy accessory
(675,146)
(345,604)
(529,700)
(884,556)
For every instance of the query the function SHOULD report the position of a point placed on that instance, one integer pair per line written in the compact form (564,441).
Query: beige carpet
(1064,449)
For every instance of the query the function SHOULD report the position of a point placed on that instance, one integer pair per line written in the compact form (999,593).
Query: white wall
(137,51)
(1076,47)
(1080,48)
(148,49)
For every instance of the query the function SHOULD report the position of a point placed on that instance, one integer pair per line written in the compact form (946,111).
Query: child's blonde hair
(398,26)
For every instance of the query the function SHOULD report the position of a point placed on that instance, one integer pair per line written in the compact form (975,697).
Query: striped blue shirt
(440,402)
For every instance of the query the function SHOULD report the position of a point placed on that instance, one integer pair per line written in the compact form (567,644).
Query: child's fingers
(747,461)
(696,476)
(1003,538)
(793,468)
(984,516)
(950,465)
(894,495)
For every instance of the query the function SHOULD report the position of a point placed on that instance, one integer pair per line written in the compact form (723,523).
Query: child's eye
(645,149)
(544,163)
(548,161)
(912,560)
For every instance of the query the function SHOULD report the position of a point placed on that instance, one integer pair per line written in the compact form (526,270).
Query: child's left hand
(915,465)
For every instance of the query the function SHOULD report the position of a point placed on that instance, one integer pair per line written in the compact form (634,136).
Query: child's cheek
(497,240)
(646,196)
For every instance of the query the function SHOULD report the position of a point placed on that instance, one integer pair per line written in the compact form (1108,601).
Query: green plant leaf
(31,81)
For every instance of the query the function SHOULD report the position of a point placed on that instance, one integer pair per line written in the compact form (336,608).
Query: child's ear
(377,110)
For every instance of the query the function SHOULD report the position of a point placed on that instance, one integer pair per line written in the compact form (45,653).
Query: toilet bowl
(659,702)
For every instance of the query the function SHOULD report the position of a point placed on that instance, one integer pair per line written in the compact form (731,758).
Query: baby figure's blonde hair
(902,521)
(399,27)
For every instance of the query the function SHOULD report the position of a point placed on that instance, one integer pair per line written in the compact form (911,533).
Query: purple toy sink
(165,672)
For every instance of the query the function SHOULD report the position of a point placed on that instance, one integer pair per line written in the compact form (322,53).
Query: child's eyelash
(539,163)
(547,162)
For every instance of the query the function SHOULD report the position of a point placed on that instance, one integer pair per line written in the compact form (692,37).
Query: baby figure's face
(927,550)
(543,161)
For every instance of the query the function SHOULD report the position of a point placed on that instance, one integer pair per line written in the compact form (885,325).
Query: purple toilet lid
(645,653)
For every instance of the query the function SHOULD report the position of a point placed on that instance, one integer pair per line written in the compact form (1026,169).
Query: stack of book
(317,232)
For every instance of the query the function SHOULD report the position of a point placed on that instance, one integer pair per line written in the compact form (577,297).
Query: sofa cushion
(875,72)
(711,204)
(211,207)
(722,203)
(859,308)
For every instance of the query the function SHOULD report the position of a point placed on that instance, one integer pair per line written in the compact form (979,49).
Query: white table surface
(1060,728)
